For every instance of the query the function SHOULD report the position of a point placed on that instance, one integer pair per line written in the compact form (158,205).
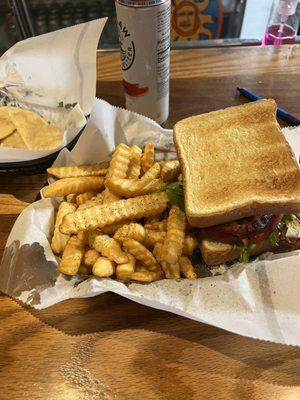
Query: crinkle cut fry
(118,167)
(134,187)
(146,276)
(90,257)
(160,226)
(130,231)
(134,168)
(148,157)
(186,268)
(152,173)
(123,271)
(72,256)
(119,163)
(101,215)
(141,253)
(112,229)
(109,197)
(152,237)
(107,246)
(173,244)
(79,170)
(84,197)
(104,267)
(59,240)
(65,186)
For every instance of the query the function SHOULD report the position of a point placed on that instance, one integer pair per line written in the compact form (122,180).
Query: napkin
(54,75)
(259,299)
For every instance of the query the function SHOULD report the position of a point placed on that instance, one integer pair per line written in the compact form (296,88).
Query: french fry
(148,157)
(160,226)
(83,197)
(152,237)
(59,240)
(101,215)
(118,167)
(112,198)
(104,267)
(80,170)
(152,173)
(141,253)
(173,243)
(107,246)
(134,168)
(109,197)
(146,276)
(189,245)
(172,271)
(88,203)
(134,187)
(186,268)
(90,257)
(165,266)
(98,199)
(140,267)
(66,186)
(157,251)
(170,171)
(123,271)
(72,256)
(112,229)
(131,231)
(119,163)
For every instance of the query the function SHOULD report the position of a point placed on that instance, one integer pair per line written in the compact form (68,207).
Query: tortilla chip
(35,132)
(14,140)
(6,125)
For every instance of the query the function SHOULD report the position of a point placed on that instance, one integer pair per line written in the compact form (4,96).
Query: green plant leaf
(287,218)
(274,237)
(175,193)
(244,256)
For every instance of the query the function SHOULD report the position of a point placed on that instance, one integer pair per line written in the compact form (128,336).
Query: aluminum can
(144,34)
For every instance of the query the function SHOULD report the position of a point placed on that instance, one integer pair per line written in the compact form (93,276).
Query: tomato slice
(253,229)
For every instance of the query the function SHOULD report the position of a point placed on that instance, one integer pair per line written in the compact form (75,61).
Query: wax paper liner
(259,299)
(54,75)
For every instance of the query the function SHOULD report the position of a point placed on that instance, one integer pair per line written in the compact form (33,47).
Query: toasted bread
(236,163)
(215,253)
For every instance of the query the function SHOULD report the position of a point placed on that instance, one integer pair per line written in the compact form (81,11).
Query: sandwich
(241,182)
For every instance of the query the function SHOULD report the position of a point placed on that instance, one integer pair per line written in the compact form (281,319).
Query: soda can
(144,34)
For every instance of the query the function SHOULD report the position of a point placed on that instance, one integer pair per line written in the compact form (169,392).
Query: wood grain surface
(108,347)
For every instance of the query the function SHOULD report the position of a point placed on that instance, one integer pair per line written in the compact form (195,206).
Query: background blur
(194,22)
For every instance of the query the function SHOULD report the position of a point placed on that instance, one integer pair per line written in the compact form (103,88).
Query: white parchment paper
(54,75)
(259,299)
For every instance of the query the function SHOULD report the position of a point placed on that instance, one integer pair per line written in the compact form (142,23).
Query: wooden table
(111,348)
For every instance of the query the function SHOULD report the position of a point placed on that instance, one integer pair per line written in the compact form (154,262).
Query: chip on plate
(34,130)
(25,129)
(6,125)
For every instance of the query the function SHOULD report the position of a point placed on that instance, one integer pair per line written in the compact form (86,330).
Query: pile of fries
(117,220)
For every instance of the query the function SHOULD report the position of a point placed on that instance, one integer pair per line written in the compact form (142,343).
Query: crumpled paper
(259,299)
(54,75)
